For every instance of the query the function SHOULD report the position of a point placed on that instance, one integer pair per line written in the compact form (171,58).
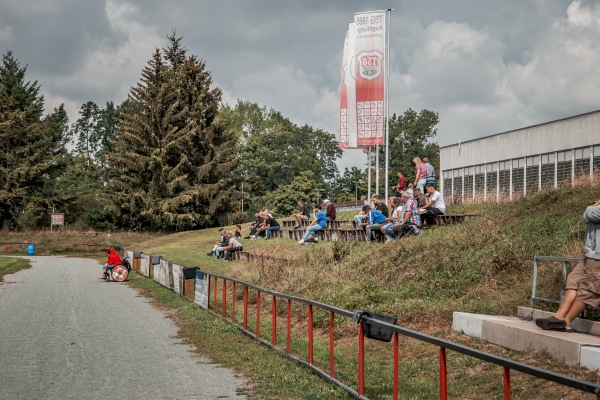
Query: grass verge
(10,265)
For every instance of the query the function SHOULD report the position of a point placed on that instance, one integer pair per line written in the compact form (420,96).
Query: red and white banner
(348,133)
(370,49)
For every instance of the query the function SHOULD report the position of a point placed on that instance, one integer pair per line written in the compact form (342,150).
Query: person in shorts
(302,215)
(583,283)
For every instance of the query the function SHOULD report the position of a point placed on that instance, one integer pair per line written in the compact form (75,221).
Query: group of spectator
(263,226)
(228,244)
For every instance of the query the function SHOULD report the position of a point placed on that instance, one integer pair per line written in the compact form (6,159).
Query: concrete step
(572,348)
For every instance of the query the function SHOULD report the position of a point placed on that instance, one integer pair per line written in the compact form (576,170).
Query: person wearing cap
(582,288)
(330,210)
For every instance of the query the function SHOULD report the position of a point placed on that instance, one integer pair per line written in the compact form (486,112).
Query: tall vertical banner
(348,134)
(370,49)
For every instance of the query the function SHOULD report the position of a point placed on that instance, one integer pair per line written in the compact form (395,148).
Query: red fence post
(258,315)
(506,383)
(361,360)
(310,334)
(233,304)
(224,305)
(274,321)
(396,365)
(443,375)
(289,326)
(331,348)
(215,296)
(245,307)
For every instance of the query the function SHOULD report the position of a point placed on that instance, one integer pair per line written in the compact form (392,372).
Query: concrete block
(469,323)
(578,325)
(590,357)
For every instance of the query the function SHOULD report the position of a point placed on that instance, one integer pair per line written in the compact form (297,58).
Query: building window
(533,174)
(468,183)
(447,176)
(518,176)
(491,181)
(458,185)
(504,178)
(564,167)
(547,171)
(596,160)
(582,162)
(479,182)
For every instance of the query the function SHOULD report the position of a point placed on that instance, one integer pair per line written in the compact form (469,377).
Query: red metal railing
(90,248)
(6,245)
(359,393)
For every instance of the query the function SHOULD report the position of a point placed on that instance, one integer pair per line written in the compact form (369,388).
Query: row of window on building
(518,177)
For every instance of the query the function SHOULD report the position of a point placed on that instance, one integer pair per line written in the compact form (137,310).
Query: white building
(522,161)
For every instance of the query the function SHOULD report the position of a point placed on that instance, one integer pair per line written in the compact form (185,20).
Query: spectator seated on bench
(410,221)
(583,283)
(232,246)
(360,217)
(218,248)
(396,204)
(434,206)
(330,210)
(319,223)
(379,205)
(255,225)
(270,225)
(302,215)
(373,222)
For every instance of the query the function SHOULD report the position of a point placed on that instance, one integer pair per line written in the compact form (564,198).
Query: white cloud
(6,35)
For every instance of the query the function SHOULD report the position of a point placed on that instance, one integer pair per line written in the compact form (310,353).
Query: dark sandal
(551,323)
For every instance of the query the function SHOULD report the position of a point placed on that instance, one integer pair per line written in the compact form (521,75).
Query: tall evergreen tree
(173,160)
(32,146)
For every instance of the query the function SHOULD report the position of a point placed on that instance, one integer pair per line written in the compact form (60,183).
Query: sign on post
(57,219)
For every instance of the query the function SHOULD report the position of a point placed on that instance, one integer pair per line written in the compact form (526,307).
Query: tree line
(171,157)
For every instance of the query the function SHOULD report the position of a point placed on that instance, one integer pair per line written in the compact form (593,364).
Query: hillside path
(64,334)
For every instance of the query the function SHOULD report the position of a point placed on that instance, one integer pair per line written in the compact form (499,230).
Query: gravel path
(64,334)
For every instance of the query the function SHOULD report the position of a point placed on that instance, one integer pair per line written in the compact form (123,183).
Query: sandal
(551,323)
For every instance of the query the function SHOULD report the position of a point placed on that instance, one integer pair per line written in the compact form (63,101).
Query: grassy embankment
(11,265)
(483,266)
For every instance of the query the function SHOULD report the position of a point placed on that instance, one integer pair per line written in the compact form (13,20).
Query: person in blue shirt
(375,221)
(319,223)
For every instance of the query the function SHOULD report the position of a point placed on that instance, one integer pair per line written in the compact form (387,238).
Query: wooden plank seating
(451,219)
(329,235)
(330,224)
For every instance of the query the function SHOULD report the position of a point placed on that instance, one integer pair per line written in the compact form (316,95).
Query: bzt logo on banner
(369,64)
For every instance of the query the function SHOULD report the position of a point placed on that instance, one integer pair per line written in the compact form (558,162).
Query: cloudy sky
(485,66)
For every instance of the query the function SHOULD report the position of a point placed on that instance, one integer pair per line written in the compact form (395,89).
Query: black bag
(127,264)
(373,330)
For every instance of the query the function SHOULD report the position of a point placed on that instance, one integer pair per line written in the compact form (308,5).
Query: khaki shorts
(304,217)
(588,285)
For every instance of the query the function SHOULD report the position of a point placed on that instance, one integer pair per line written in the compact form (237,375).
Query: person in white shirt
(435,205)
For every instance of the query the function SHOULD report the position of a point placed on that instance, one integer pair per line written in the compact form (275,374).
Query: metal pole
(387,103)
(369,175)
(242,196)
(377,169)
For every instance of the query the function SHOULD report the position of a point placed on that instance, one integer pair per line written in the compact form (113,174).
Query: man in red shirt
(401,186)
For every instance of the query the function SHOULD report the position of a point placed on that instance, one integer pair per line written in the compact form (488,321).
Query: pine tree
(32,146)
(173,160)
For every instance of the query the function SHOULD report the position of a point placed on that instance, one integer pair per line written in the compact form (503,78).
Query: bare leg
(298,218)
(577,308)
(566,304)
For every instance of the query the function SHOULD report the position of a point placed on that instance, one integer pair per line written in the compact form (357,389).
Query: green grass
(483,265)
(10,265)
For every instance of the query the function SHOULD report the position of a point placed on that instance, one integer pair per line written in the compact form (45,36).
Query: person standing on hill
(401,186)
(420,173)
(430,172)
(583,283)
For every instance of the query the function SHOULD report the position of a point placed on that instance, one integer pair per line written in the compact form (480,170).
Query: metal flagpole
(387,102)
(377,169)
(369,176)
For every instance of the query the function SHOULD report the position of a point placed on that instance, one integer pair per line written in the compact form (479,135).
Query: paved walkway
(64,334)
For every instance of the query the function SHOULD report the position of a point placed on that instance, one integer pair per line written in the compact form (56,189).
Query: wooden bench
(246,256)
(330,224)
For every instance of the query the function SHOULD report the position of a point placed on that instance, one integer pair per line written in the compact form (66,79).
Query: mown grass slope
(483,265)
